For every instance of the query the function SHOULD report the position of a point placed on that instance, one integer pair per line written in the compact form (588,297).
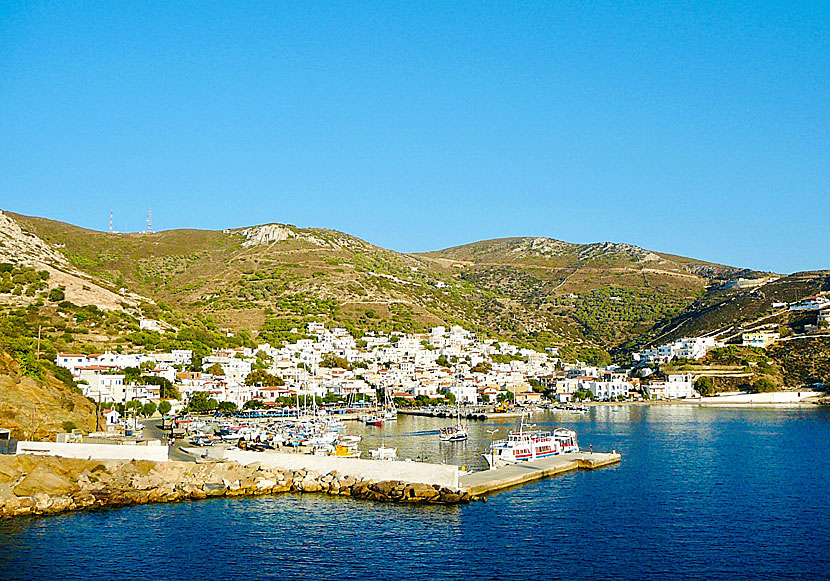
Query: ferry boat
(528,445)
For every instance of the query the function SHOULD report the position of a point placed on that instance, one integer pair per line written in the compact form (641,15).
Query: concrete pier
(499,478)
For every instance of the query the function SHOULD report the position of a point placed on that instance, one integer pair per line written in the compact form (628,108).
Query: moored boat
(373,420)
(383,453)
(456,433)
(528,445)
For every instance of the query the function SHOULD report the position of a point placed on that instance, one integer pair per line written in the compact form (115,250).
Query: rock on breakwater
(33,485)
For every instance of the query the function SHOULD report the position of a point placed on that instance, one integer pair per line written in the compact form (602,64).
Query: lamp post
(492,455)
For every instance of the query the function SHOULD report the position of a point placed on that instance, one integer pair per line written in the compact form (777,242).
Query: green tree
(149,408)
(332,360)
(262,377)
(215,369)
(68,426)
(166,389)
(202,402)
(482,367)
(132,375)
(705,386)
(164,407)
(227,406)
(56,295)
(253,404)
(763,385)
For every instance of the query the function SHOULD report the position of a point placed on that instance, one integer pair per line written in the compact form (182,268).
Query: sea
(701,493)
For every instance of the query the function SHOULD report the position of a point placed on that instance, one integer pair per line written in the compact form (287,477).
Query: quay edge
(494,479)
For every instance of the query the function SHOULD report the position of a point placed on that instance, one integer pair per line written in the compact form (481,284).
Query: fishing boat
(372,420)
(527,445)
(456,433)
(342,451)
(383,453)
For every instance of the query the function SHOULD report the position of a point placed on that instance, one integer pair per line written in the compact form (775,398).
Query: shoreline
(790,398)
(50,485)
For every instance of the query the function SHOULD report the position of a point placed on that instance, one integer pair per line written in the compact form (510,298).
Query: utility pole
(39,327)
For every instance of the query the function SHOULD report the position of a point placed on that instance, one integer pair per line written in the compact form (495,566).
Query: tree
(253,404)
(201,402)
(164,407)
(227,406)
(132,374)
(262,377)
(56,295)
(332,360)
(149,408)
(215,369)
(443,361)
(482,367)
(763,385)
(705,386)
(68,426)
(166,389)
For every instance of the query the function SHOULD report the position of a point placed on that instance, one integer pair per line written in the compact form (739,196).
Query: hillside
(264,281)
(615,294)
(725,313)
(276,276)
(39,407)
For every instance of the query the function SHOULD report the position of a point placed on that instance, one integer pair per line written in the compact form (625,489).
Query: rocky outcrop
(38,408)
(32,485)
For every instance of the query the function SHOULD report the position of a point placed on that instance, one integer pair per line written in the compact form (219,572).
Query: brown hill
(39,408)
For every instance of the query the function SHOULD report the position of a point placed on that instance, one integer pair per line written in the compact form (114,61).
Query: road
(152,430)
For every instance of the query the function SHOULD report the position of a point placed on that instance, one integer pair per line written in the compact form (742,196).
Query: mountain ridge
(538,291)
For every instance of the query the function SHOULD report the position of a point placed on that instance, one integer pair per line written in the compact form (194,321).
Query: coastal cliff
(42,485)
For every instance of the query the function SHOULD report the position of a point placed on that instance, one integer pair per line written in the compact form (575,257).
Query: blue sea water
(700,494)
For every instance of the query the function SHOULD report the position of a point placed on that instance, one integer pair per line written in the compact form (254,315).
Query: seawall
(444,475)
(41,485)
(157,453)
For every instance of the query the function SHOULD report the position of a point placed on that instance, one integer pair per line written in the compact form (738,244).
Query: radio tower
(110,221)
(149,220)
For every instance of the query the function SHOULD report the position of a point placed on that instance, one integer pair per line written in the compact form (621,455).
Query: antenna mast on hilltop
(149,220)
(110,221)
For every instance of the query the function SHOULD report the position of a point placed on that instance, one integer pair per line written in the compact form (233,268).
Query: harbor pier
(495,479)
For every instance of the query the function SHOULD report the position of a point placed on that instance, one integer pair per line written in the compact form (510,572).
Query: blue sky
(700,129)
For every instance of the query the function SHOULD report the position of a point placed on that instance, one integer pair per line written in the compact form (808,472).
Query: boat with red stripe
(528,445)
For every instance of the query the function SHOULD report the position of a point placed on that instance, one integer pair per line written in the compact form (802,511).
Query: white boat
(456,433)
(383,453)
(453,434)
(373,420)
(529,445)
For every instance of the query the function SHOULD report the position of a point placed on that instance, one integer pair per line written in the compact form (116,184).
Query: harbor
(421,452)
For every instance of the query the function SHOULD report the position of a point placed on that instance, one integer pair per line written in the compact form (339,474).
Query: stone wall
(94,451)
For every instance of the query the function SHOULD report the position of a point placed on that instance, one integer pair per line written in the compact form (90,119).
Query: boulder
(43,479)
(417,492)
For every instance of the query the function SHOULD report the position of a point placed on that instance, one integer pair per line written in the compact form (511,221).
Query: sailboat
(390,412)
(456,433)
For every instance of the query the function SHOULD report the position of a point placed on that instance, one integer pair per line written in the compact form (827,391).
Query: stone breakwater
(34,485)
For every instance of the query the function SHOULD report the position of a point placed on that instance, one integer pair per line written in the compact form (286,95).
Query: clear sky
(700,129)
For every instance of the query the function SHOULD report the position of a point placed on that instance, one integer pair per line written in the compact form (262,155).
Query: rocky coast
(43,485)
